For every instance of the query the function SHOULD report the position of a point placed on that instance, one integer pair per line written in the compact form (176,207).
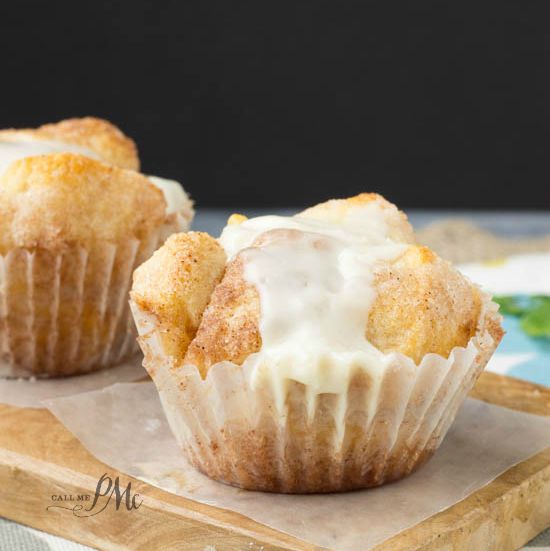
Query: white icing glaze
(314,280)
(176,198)
(21,146)
(368,222)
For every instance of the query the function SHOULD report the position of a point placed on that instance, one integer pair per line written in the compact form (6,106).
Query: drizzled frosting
(366,223)
(315,283)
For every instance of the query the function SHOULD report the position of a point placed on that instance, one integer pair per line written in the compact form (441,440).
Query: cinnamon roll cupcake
(316,353)
(76,218)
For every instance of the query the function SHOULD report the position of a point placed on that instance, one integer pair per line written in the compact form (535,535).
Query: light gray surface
(511,224)
(14,537)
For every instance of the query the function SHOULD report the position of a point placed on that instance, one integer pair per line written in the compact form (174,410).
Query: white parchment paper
(30,393)
(124,426)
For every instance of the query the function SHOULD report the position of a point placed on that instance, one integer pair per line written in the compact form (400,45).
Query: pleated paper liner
(280,436)
(66,313)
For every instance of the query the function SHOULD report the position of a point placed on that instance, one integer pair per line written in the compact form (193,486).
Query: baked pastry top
(341,277)
(65,199)
(84,200)
(422,305)
(90,136)
(192,265)
(364,212)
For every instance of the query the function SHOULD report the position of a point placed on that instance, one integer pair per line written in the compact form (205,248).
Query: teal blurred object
(524,317)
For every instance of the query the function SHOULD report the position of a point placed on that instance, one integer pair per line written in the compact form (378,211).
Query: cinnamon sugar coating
(57,200)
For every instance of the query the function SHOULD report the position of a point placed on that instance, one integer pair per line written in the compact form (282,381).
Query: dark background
(434,104)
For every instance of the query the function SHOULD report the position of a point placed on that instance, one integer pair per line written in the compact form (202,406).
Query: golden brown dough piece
(236,219)
(350,210)
(65,199)
(423,305)
(175,285)
(229,329)
(98,135)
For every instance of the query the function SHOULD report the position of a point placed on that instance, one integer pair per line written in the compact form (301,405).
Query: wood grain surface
(39,458)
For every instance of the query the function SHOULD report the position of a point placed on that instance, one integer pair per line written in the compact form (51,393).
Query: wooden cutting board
(39,459)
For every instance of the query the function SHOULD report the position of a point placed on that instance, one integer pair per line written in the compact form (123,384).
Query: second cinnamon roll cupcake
(73,226)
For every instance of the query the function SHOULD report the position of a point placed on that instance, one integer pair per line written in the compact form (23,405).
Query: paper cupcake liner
(67,313)
(281,436)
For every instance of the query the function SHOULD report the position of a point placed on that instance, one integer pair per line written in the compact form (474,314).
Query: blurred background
(251,104)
